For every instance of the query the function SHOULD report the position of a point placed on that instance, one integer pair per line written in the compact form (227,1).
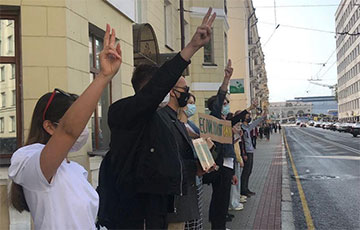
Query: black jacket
(143,152)
(224,150)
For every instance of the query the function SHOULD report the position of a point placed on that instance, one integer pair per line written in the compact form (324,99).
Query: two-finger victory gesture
(110,56)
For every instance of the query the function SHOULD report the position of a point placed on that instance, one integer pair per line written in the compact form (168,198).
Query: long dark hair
(56,110)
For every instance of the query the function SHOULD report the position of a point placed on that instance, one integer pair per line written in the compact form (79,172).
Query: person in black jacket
(146,164)
(222,179)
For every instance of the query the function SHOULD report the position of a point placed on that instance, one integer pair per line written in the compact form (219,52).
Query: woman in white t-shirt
(53,189)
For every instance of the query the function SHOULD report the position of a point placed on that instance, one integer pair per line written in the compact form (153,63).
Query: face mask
(191,110)
(183,99)
(81,141)
(226,110)
(248,120)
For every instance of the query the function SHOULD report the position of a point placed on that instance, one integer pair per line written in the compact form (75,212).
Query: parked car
(303,124)
(345,127)
(328,125)
(298,122)
(340,127)
(323,125)
(355,129)
(311,123)
(333,126)
(348,127)
(317,124)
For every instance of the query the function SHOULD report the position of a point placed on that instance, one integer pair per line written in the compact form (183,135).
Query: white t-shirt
(68,202)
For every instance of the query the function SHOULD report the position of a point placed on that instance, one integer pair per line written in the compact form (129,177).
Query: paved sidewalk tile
(262,211)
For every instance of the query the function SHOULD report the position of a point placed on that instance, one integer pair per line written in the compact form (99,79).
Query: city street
(328,167)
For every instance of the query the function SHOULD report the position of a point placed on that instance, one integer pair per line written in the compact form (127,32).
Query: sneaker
(238,208)
(243,199)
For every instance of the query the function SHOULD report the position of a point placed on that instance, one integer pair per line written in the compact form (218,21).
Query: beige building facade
(247,56)
(347,19)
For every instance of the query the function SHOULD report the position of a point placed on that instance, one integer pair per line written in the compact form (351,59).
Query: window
(13,103)
(10,44)
(3,100)
(12,71)
(168,24)
(209,51)
(10,68)
(2,125)
(100,130)
(12,124)
(2,73)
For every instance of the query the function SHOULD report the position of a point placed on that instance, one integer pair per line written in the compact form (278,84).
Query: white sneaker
(243,199)
(238,208)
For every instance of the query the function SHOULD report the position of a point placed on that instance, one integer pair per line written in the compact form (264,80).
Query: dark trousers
(220,198)
(245,175)
(141,211)
(253,140)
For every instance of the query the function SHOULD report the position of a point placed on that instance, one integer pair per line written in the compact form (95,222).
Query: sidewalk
(262,211)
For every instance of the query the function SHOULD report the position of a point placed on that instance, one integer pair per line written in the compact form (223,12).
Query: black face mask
(183,99)
(248,120)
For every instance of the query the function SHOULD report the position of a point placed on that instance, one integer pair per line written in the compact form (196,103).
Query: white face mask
(165,101)
(81,141)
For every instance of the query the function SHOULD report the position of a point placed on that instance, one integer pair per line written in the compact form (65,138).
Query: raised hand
(228,70)
(203,32)
(201,36)
(110,56)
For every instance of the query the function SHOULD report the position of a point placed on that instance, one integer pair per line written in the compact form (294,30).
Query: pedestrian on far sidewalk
(267,131)
(254,134)
(261,131)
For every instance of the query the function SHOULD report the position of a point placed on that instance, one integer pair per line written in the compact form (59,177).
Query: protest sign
(203,153)
(218,130)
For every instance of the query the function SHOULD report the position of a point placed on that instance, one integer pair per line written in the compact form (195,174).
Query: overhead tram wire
(324,64)
(294,6)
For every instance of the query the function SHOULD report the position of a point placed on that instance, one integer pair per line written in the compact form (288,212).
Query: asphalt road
(328,165)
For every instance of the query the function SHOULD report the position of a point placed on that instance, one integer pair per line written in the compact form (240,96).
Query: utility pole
(182,26)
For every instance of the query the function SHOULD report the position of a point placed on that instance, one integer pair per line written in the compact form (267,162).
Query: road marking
(305,206)
(332,143)
(337,157)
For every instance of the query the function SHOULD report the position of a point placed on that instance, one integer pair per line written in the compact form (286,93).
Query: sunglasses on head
(56,90)
(185,88)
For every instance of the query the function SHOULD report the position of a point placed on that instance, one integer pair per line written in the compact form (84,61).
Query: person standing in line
(222,179)
(193,222)
(247,126)
(150,162)
(236,199)
(55,190)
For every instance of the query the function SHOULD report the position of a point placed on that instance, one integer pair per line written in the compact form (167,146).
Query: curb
(287,218)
